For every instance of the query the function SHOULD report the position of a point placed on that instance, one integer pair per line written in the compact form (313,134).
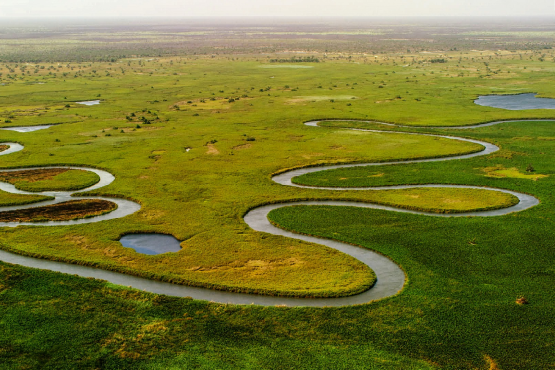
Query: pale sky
(304,8)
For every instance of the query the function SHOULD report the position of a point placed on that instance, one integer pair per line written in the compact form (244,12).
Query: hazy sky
(189,8)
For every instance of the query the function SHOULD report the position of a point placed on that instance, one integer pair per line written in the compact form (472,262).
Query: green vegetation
(112,327)
(196,138)
(56,179)
(9,199)
(195,176)
(441,200)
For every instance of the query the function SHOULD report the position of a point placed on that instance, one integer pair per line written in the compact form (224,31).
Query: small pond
(516,102)
(90,102)
(26,128)
(151,243)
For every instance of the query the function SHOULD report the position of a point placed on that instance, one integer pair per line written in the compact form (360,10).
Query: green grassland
(9,199)
(196,168)
(65,181)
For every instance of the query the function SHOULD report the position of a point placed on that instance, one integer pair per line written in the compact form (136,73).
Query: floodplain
(195,136)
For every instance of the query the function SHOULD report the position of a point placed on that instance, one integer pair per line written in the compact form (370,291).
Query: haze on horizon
(283,8)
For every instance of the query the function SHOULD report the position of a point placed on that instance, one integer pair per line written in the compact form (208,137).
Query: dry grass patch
(212,149)
(74,209)
(50,179)
(242,147)
(31,175)
(251,267)
(500,172)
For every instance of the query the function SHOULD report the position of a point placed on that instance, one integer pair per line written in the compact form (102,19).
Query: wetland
(203,142)
(516,102)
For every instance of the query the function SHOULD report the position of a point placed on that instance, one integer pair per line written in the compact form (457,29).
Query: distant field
(89,40)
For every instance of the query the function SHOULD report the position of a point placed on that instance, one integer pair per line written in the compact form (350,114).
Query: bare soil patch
(242,147)
(71,210)
(31,175)
(212,149)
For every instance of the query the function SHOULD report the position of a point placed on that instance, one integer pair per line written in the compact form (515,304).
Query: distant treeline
(296,60)
(438,60)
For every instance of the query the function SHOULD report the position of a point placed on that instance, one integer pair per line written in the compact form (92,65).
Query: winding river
(390,277)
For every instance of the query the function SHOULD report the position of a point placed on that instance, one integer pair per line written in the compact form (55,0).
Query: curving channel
(125,207)
(390,277)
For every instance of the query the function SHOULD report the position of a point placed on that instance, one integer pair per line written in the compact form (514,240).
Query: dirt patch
(31,175)
(3,147)
(241,147)
(71,210)
(212,149)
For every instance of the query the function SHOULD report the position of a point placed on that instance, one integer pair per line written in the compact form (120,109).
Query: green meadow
(50,180)
(196,139)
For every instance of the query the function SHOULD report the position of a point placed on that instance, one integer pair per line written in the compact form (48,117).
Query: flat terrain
(70,210)
(51,179)
(195,139)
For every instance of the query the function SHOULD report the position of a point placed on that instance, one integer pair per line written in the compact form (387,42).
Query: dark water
(151,243)
(516,102)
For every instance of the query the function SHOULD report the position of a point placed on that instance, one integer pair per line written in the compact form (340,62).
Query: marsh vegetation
(194,133)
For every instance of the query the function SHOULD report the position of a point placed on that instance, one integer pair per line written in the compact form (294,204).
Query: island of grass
(10,199)
(439,200)
(71,210)
(4,147)
(50,179)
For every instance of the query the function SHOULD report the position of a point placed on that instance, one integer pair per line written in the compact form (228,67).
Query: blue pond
(151,243)
(516,102)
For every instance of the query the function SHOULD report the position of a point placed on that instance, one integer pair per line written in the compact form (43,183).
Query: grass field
(195,140)
(55,179)
(9,199)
